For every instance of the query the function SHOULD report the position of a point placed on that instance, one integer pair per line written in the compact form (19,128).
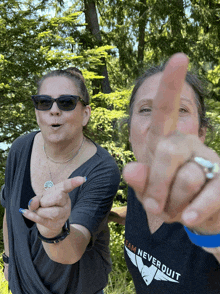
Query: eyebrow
(145,100)
(150,101)
(186,99)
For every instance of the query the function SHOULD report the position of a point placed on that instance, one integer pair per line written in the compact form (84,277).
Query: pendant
(48,184)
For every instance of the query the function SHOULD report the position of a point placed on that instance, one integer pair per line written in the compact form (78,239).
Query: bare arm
(71,249)
(50,212)
(5,235)
(118,215)
(6,245)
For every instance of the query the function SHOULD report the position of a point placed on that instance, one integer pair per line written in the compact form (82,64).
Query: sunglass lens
(67,103)
(43,102)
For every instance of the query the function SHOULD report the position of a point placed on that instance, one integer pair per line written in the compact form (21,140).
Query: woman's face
(188,122)
(69,123)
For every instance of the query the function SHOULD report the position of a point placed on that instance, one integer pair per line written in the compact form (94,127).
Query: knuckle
(157,191)
(167,147)
(60,199)
(191,179)
(63,185)
(55,214)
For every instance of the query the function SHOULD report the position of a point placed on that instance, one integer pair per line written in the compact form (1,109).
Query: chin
(55,138)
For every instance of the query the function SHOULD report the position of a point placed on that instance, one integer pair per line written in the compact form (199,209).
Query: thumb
(34,203)
(70,184)
(136,176)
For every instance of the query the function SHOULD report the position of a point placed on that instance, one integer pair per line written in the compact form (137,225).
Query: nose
(55,109)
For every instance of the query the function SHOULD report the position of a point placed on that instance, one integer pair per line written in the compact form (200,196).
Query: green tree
(112,42)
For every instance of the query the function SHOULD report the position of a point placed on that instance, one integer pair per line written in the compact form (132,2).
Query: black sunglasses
(64,102)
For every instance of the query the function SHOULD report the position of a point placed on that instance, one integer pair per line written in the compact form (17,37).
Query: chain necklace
(51,159)
(49,184)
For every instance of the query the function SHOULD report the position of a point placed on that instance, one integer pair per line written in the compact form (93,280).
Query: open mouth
(56,126)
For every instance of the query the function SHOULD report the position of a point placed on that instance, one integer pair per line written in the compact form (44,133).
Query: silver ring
(210,169)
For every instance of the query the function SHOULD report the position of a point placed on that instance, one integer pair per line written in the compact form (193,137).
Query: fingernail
(85,179)
(21,210)
(151,205)
(189,216)
(29,203)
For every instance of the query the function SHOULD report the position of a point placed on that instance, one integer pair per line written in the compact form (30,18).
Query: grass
(3,282)
(120,280)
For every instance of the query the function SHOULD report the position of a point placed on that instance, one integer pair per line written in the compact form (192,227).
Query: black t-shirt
(31,271)
(166,262)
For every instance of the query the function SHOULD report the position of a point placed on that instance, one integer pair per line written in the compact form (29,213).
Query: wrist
(61,236)
(51,234)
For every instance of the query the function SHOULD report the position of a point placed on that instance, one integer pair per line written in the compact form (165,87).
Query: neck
(63,151)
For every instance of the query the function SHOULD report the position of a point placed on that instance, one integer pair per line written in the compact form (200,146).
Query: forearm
(118,215)
(71,249)
(5,235)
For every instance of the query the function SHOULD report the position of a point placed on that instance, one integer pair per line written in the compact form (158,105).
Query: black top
(30,269)
(27,191)
(166,262)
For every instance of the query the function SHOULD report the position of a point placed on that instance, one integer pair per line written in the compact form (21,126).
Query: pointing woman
(173,214)
(59,188)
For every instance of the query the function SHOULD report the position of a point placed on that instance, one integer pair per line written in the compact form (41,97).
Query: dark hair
(192,80)
(72,73)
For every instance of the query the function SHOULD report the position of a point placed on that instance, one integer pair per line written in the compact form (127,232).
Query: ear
(202,134)
(37,117)
(86,115)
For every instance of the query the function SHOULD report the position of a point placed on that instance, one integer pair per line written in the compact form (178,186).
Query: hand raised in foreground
(166,179)
(51,210)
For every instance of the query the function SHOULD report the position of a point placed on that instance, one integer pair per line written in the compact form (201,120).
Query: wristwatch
(60,237)
(5,258)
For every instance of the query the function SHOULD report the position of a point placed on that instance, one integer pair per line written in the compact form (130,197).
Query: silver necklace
(51,159)
(49,184)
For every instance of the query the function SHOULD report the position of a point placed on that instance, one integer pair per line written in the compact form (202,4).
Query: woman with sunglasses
(172,227)
(59,188)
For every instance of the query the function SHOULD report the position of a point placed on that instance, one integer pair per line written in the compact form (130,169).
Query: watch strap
(60,237)
(5,258)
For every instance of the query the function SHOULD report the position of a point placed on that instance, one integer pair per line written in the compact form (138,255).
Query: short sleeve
(2,196)
(96,196)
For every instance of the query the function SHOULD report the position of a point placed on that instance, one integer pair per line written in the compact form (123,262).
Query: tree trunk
(176,16)
(141,33)
(93,27)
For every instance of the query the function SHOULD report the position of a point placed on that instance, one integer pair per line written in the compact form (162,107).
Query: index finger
(56,194)
(166,103)
(70,184)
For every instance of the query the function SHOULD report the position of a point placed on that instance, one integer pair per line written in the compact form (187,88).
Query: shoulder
(22,141)
(100,170)
(20,147)
(106,162)
(104,155)
(101,159)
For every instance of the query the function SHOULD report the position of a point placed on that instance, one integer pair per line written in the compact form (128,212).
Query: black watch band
(5,258)
(60,237)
